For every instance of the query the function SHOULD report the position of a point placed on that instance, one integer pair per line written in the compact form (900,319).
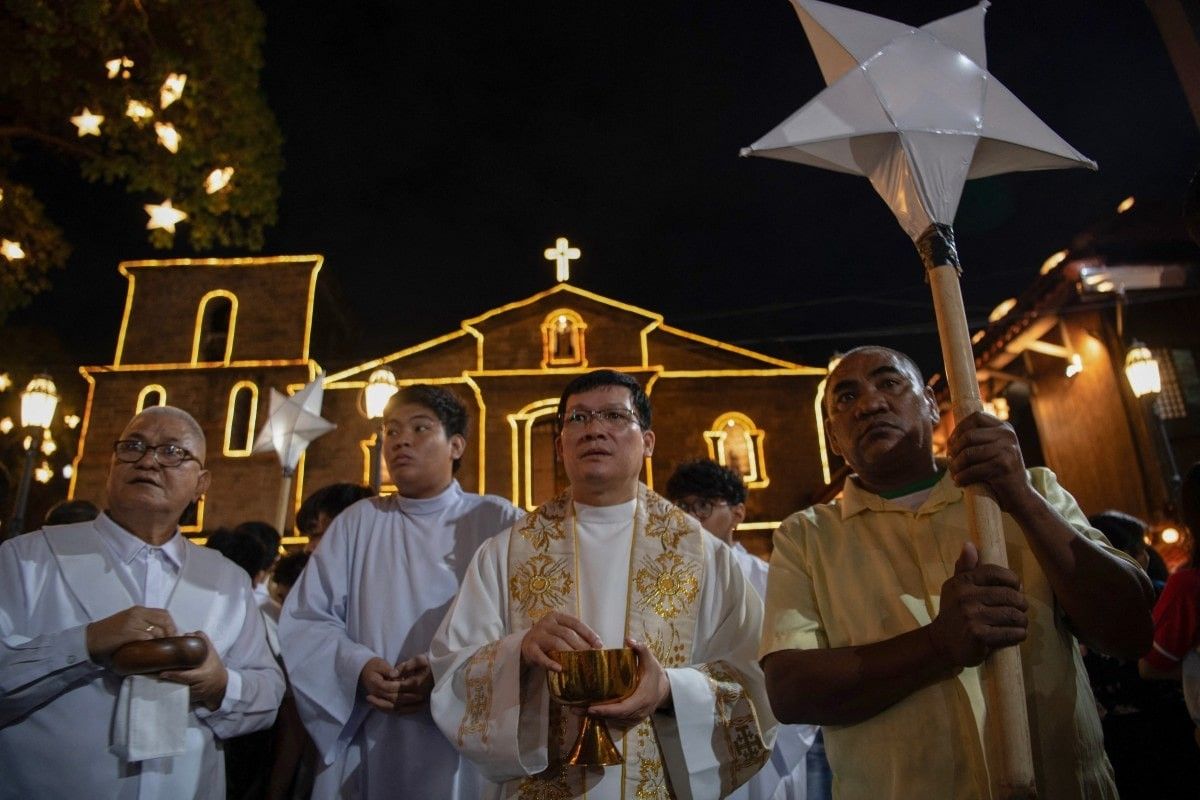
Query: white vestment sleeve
(34,669)
(496,717)
(322,661)
(256,684)
(695,744)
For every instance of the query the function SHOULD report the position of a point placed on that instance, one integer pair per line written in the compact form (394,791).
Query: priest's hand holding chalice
(624,685)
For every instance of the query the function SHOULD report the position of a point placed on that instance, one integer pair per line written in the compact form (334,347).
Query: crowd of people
(405,651)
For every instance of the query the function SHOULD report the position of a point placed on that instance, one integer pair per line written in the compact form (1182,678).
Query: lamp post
(38,402)
(381,385)
(1145,379)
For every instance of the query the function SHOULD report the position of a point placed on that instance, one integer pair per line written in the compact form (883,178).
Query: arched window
(240,418)
(736,442)
(563,342)
(151,395)
(215,321)
(538,475)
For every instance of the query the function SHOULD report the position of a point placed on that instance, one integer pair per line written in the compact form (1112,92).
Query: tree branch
(65,145)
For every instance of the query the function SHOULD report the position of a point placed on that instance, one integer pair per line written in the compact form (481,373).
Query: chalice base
(594,746)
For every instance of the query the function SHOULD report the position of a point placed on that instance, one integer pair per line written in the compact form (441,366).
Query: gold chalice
(590,677)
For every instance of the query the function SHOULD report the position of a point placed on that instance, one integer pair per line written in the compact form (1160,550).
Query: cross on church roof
(562,254)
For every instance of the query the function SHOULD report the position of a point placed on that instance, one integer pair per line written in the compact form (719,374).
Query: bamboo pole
(1007,723)
(285,496)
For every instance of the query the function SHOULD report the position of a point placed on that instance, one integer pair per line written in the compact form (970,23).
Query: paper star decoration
(118,66)
(168,137)
(11,250)
(164,216)
(172,89)
(913,109)
(87,122)
(138,111)
(293,423)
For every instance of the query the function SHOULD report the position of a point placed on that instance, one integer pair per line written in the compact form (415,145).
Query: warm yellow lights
(5,382)
(43,473)
(1141,369)
(164,216)
(1075,365)
(87,122)
(11,250)
(48,446)
(1170,535)
(562,254)
(38,402)
(172,89)
(138,111)
(6,425)
(1053,261)
(67,472)
(1000,311)
(168,137)
(379,389)
(997,407)
(72,421)
(1125,205)
(736,442)
(118,67)
(218,179)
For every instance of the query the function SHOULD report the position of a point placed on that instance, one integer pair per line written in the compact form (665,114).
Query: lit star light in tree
(168,137)
(172,89)
(87,122)
(138,111)
(562,254)
(218,179)
(164,216)
(118,67)
(11,250)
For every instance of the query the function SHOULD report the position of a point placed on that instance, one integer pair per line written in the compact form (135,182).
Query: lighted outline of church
(212,335)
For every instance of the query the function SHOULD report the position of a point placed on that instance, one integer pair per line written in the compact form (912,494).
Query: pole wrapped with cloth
(916,111)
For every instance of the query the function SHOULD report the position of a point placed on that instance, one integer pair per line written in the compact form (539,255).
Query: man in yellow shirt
(878,612)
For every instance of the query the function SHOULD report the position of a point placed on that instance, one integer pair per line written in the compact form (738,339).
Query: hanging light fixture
(38,402)
(380,388)
(1141,369)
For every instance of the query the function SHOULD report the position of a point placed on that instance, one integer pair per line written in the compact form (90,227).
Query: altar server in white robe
(70,595)
(356,627)
(607,564)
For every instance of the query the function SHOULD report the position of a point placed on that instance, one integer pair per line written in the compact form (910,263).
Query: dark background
(435,149)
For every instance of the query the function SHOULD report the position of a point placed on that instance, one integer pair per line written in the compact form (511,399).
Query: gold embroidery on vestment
(667,583)
(479,693)
(541,585)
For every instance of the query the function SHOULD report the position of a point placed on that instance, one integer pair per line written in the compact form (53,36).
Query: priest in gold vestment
(607,564)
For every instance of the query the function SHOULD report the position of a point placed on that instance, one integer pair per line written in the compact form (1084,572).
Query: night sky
(433,150)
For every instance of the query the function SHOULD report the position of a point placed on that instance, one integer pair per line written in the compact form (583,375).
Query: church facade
(213,336)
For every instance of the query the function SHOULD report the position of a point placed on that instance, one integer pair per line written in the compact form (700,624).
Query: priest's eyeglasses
(702,508)
(611,419)
(167,455)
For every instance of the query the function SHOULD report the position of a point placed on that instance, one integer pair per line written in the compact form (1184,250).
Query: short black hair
(65,512)
(444,403)
(329,500)
(703,477)
(608,377)
(240,548)
(287,569)
(1123,531)
(267,536)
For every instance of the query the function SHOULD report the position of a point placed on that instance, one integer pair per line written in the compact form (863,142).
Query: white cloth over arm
(378,586)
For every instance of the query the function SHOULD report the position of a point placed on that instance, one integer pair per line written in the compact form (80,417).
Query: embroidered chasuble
(641,569)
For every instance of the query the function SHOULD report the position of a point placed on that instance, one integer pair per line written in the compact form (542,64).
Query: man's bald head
(196,444)
(902,359)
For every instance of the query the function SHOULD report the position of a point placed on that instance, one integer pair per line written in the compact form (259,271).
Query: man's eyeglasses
(612,419)
(167,455)
(701,509)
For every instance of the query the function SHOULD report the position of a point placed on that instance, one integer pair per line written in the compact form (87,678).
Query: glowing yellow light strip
(201,365)
(83,431)
(308,314)
(822,446)
(492,373)
(147,389)
(732,348)
(735,373)
(578,339)
(379,362)
(759,526)
(715,437)
(649,460)
(124,316)
(199,526)
(526,418)
(644,335)
(236,452)
(233,310)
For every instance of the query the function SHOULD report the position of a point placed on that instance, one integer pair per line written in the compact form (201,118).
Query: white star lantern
(87,122)
(218,179)
(164,216)
(293,423)
(11,250)
(913,109)
(168,137)
(172,89)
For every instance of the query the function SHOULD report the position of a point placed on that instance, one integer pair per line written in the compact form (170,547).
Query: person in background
(318,510)
(243,550)
(355,630)
(64,512)
(716,496)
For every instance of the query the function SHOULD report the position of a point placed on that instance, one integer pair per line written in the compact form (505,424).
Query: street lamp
(1145,379)
(381,385)
(38,402)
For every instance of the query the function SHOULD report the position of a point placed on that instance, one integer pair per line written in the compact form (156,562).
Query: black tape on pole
(937,248)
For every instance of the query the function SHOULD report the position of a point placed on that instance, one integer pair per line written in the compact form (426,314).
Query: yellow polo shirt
(864,569)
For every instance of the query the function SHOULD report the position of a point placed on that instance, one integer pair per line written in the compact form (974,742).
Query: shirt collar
(430,505)
(856,499)
(125,546)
